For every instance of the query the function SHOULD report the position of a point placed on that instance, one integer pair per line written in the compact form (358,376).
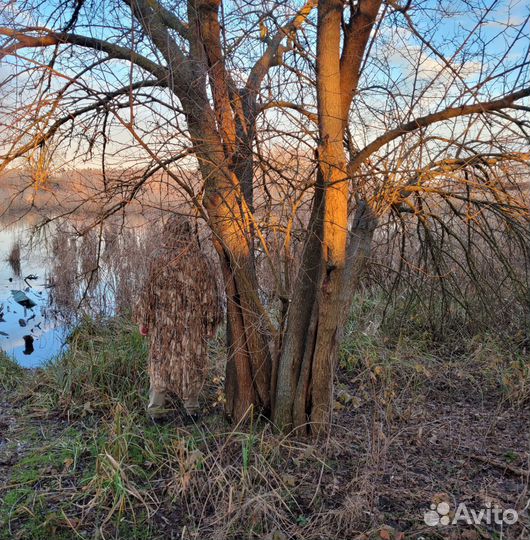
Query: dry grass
(410,426)
(101,272)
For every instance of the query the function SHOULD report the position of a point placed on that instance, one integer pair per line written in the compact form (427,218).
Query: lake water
(66,274)
(18,322)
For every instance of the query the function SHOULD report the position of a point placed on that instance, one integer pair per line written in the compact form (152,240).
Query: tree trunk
(304,387)
(302,375)
(228,202)
(247,382)
(248,370)
(331,262)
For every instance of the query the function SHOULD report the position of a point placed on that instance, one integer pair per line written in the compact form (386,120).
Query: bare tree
(225,83)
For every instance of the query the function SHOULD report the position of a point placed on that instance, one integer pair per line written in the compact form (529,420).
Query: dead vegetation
(413,424)
(432,404)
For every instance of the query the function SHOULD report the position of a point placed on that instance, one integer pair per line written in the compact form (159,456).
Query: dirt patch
(470,451)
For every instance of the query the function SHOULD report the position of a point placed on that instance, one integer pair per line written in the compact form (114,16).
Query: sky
(413,76)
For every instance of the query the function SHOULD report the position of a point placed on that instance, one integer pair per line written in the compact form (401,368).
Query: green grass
(105,365)
(11,374)
(62,453)
(32,507)
(109,454)
(100,452)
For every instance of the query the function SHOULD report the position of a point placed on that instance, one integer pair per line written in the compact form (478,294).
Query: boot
(157,400)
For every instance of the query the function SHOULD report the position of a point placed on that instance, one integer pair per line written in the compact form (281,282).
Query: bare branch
(24,38)
(288,105)
(356,38)
(270,56)
(425,121)
(44,136)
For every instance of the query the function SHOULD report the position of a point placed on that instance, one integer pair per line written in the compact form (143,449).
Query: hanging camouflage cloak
(180,306)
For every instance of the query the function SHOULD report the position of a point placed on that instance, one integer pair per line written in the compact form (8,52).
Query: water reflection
(14,259)
(64,273)
(26,333)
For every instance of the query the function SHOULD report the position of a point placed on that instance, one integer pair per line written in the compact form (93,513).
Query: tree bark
(333,260)
(249,360)
(295,398)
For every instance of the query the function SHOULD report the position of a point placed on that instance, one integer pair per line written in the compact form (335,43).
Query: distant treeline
(86,190)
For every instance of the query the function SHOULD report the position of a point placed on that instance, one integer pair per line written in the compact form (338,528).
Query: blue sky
(414,77)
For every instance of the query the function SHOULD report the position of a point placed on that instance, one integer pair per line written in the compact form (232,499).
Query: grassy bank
(416,422)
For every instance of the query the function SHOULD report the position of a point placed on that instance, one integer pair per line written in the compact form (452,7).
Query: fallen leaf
(385,534)
(87,408)
(289,480)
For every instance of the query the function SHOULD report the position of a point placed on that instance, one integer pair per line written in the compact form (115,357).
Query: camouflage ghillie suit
(180,309)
